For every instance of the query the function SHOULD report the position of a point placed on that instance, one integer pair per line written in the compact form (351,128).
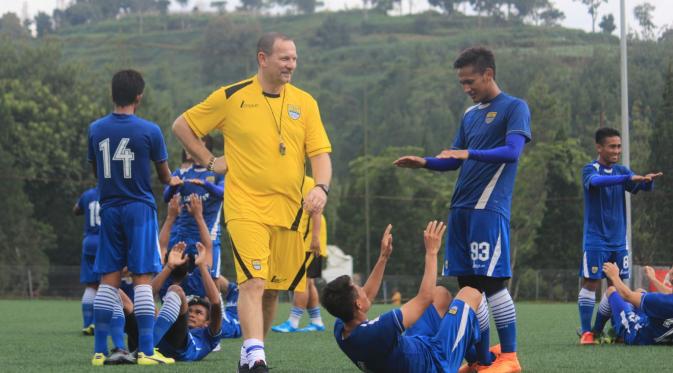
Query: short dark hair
(605,132)
(265,43)
(481,58)
(196,300)
(339,297)
(126,86)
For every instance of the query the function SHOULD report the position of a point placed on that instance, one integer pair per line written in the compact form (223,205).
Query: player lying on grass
(188,330)
(379,345)
(640,318)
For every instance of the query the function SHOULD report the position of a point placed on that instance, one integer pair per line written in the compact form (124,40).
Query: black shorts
(176,336)
(314,270)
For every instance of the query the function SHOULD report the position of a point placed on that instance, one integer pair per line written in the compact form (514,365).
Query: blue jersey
(482,185)
(186,227)
(605,208)
(656,313)
(124,148)
(88,204)
(379,346)
(199,344)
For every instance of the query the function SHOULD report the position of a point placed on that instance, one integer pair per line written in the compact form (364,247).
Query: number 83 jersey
(123,148)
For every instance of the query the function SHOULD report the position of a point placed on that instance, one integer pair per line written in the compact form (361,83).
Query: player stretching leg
(122,149)
(486,149)
(605,183)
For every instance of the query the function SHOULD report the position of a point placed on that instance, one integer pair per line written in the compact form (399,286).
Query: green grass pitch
(41,336)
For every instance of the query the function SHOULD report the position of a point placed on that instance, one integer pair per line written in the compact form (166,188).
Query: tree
(332,34)
(221,6)
(251,5)
(228,51)
(607,24)
(10,25)
(643,14)
(447,6)
(43,24)
(490,7)
(592,8)
(551,16)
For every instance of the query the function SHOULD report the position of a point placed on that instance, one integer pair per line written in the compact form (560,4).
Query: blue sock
(87,306)
(117,326)
(603,315)
(167,316)
(504,315)
(143,307)
(483,355)
(103,307)
(586,301)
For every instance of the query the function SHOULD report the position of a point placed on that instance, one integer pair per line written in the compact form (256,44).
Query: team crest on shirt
(257,265)
(210,179)
(453,310)
(490,117)
(594,270)
(293,111)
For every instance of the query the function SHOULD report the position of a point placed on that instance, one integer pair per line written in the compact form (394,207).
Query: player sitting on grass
(188,330)
(379,345)
(640,318)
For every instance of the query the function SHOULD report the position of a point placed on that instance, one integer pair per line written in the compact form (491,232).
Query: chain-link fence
(560,285)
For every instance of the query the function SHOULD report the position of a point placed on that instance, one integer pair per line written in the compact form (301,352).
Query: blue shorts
(128,237)
(626,319)
(477,244)
(427,325)
(86,273)
(90,244)
(458,332)
(592,263)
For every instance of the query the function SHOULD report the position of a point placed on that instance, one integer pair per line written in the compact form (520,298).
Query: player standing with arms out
(270,127)
(88,206)
(605,184)
(487,147)
(122,149)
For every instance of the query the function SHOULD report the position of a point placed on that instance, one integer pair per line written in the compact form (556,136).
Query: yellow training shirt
(262,185)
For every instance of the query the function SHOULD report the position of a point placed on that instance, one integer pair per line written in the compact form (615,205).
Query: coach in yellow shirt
(270,127)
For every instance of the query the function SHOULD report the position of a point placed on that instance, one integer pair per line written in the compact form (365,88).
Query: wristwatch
(324,188)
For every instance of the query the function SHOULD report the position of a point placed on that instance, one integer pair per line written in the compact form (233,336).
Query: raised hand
(176,257)
(195,206)
(410,161)
(174,206)
(432,236)
(202,256)
(387,243)
(649,272)
(611,271)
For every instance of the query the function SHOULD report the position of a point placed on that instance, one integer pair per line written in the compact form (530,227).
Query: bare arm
(212,292)
(171,216)
(612,272)
(661,288)
(414,308)
(373,283)
(321,166)
(192,144)
(195,208)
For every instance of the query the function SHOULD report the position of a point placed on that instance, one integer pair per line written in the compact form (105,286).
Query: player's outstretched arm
(211,290)
(414,308)
(661,288)
(612,272)
(175,258)
(165,233)
(373,283)
(195,209)
(431,163)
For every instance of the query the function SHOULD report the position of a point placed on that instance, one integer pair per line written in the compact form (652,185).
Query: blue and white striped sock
(254,351)
(167,316)
(117,325)
(103,308)
(295,316)
(87,306)
(603,315)
(143,307)
(586,301)
(504,315)
(314,314)
(483,354)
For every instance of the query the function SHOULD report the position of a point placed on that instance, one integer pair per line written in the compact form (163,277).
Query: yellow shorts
(272,253)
